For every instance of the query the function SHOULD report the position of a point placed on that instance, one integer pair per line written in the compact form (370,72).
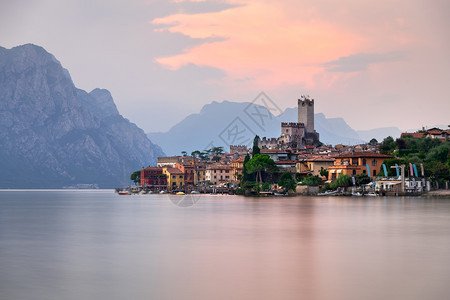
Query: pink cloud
(263,41)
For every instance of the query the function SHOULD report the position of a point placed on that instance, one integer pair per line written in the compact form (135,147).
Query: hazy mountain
(379,133)
(332,130)
(230,123)
(53,134)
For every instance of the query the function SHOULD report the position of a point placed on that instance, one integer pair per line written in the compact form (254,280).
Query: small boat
(357,194)
(371,194)
(327,193)
(280,194)
(123,192)
(163,192)
(179,193)
(195,192)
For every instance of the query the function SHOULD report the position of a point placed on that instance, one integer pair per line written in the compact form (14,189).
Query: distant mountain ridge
(216,123)
(54,135)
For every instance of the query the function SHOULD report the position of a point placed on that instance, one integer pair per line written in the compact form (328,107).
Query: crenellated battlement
(292,124)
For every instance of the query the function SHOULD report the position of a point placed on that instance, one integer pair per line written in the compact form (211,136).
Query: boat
(327,193)
(372,194)
(123,192)
(357,194)
(163,192)
(179,193)
(195,192)
(280,194)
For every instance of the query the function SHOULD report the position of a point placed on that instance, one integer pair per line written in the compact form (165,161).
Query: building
(434,133)
(356,163)
(238,149)
(314,165)
(237,167)
(217,174)
(277,154)
(295,135)
(306,113)
(170,161)
(292,135)
(175,178)
(153,178)
(188,171)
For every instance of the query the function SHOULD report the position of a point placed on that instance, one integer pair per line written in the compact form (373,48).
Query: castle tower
(306,113)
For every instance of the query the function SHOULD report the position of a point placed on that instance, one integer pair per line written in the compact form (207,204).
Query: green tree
(286,181)
(373,141)
(312,180)
(388,145)
(266,186)
(255,149)
(342,181)
(260,163)
(362,179)
(136,177)
(245,175)
(195,154)
(184,153)
(323,172)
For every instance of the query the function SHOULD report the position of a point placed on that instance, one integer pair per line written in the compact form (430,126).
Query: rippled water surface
(99,245)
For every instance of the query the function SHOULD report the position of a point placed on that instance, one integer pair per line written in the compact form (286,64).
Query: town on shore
(297,162)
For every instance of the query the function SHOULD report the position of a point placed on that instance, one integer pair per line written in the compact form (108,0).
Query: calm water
(98,245)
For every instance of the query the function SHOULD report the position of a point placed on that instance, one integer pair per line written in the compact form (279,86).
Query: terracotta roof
(364,154)
(174,171)
(413,134)
(285,162)
(320,159)
(240,159)
(218,167)
(435,132)
(152,169)
(272,151)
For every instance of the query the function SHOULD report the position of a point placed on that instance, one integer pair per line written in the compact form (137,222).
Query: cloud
(361,61)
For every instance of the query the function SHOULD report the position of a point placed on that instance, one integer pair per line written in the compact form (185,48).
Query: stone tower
(306,113)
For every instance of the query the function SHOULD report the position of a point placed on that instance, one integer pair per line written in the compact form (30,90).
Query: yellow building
(314,165)
(355,163)
(175,178)
(237,167)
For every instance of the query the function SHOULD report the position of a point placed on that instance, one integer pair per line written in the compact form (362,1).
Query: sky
(374,63)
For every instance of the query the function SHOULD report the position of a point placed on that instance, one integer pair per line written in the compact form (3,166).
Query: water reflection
(97,245)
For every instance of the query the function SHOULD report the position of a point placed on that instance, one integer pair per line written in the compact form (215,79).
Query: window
(374,173)
(374,162)
(173,176)
(364,171)
(214,171)
(364,161)
(354,172)
(181,176)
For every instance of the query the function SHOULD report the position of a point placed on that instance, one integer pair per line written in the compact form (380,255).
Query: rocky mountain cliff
(54,135)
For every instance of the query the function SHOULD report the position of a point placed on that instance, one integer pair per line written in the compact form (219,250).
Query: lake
(99,245)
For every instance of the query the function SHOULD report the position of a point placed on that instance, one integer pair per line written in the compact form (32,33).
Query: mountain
(54,135)
(379,133)
(230,123)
